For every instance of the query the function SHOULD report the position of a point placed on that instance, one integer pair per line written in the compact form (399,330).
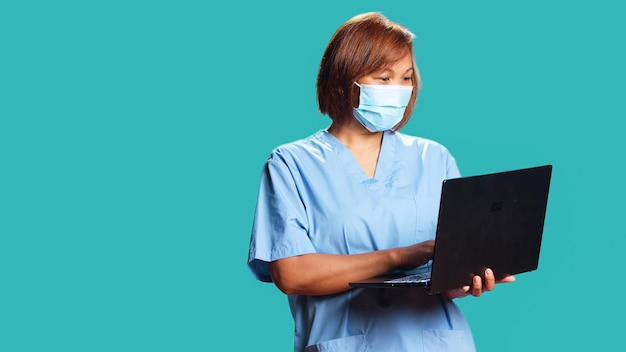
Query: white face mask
(381,107)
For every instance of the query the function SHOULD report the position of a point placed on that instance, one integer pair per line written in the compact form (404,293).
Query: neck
(363,144)
(356,137)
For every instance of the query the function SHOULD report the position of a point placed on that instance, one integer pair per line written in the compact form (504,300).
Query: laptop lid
(489,221)
(486,221)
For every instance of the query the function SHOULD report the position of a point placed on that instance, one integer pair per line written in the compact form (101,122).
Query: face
(400,73)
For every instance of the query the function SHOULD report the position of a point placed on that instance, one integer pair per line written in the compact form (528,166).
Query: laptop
(487,221)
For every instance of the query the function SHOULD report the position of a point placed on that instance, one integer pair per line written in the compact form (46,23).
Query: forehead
(403,64)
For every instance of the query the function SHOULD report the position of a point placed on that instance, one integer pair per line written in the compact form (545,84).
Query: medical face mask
(382,106)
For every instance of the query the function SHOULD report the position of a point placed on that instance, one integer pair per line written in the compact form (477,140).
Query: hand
(477,287)
(410,257)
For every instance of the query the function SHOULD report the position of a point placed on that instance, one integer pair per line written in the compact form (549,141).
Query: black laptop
(486,221)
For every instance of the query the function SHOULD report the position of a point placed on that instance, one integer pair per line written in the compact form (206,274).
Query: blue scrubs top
(315,198)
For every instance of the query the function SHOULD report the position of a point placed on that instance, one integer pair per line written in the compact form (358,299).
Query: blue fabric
(315,198)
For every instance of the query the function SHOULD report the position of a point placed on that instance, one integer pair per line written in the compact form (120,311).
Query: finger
(463,291)
(505,279)
(490,280)
(458,292)
(477,286)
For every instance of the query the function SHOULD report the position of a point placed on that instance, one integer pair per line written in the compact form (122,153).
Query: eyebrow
(390,70)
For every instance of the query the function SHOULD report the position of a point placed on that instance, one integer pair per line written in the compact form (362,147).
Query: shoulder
(431,155)
(314,146)
(422,145)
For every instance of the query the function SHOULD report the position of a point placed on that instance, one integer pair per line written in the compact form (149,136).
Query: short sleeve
(280,226)
(452,168)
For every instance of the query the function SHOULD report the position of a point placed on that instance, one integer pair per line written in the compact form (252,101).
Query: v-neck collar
(383,166)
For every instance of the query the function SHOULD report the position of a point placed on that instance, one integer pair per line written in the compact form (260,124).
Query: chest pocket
(446,341)
(355,343)
(427,213)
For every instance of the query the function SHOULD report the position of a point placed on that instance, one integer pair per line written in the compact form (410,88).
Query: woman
(357,200)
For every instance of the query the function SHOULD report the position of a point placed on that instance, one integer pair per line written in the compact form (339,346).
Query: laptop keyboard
(421,277)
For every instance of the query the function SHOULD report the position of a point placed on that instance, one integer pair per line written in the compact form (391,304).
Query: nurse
(357,200)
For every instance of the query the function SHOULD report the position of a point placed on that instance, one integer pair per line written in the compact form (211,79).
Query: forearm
(321,274)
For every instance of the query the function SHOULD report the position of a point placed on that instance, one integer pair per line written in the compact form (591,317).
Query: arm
(322,274)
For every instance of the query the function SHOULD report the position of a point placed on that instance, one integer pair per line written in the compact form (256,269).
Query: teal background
(132,136)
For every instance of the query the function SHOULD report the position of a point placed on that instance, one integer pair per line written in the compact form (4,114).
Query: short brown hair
(362,45)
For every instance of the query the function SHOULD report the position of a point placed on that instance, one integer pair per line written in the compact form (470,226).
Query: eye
(384,79)
(407,79)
